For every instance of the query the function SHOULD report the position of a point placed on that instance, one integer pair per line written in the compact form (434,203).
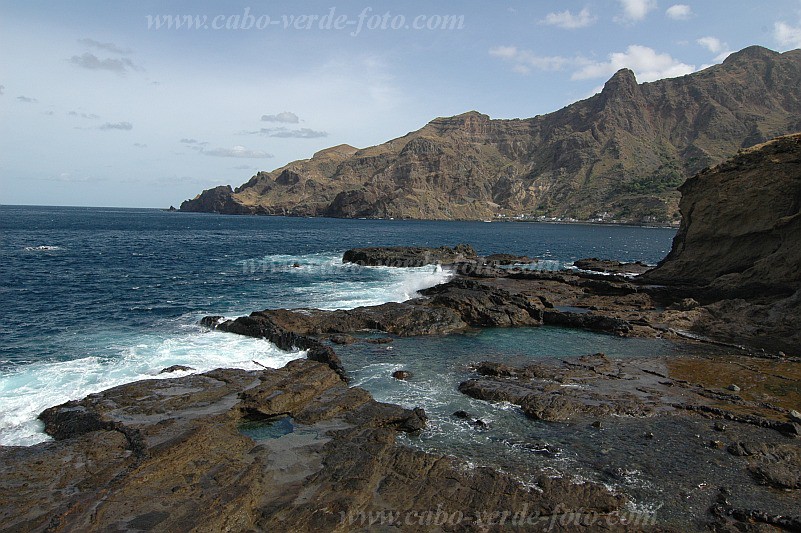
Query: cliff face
(739,247)
(741,222)
(617,155)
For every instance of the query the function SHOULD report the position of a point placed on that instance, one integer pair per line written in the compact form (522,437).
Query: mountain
(618,155)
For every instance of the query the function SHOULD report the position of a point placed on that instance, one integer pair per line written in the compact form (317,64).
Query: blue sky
(97,108)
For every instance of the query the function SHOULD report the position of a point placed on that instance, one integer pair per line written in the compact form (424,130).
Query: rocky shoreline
(179,442)
(298,449)
(153,441)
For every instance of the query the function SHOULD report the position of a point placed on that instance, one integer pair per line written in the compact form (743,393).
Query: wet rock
(776,465)
(738,519)
(461,414)
(72,420)
(176,368)
(211,322)
(534,389)
(508,259)
(342,339)
(587,321)
(491,368)
(733,388)
(401,375)
(379,340)
(719,426)
(480,305)
(409,256)
(480,423)
(193,463)
(686,304)
(263,325)
(613,267)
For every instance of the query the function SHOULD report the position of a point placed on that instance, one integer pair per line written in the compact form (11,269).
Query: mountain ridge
(616,156)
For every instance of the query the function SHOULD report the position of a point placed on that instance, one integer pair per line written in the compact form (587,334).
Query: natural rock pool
(670,467)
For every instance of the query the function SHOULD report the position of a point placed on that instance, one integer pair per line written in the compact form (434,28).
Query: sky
(110,104)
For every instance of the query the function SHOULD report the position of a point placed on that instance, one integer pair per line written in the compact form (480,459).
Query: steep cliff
(741,222)
(618,155)
(739,246)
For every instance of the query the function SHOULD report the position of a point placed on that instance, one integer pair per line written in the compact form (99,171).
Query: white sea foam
(330,284)
(394,285)
(42,248)
(29,389)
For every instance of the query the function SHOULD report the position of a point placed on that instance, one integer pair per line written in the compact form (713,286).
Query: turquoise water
(438,364)
(95,297)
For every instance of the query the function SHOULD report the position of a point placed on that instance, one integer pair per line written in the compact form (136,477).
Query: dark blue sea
(95,297)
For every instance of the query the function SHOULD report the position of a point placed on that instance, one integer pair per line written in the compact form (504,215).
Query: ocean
(97,297)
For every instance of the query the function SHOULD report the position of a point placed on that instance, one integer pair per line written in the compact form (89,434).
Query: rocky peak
(751,54)
(623,85)
(339,151)
(472,123)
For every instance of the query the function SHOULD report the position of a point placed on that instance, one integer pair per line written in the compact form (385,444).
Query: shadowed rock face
(739,245)
(617,155)
(168,455)
(741,222)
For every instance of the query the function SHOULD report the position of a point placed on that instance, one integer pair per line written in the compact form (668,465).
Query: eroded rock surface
(739,246)
(169,455)
(740,449)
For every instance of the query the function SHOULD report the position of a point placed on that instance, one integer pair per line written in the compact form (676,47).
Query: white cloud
(787,35)
(89,116)
(567,20)
(524,60)
(194,144)
(27,99)
(92,62)
(647,64)
(713,44)
(716,46)
(634,10)
(140,145)
(109,47)
(285,117)
(2,89)
(302,133)
(504,52)
(679,12)
(126,126)
(68,177)
(237,151)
